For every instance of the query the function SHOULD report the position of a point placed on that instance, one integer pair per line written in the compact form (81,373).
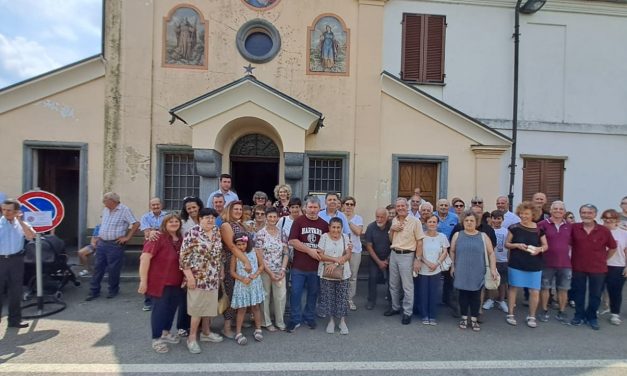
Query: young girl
(248,290)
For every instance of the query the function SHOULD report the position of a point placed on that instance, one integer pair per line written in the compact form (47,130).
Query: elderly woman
(160,278)
(433,253)
(526,243)
(468,249)
(201,263)
(232,224)
(356,225)
(283,193)
(335,251)
(616,265)
(261,198)
(458,206)
(259,218)
(189,213)
(273,246)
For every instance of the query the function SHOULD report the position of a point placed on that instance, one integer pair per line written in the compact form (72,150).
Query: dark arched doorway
(254,166)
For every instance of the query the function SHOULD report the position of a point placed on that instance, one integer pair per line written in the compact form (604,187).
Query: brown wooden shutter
(411,47)
(543,175)
(434,59)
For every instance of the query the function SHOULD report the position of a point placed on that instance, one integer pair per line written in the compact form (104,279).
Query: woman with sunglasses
(232,224)
(616,265)
(356,225)
(259,218)
(569,217)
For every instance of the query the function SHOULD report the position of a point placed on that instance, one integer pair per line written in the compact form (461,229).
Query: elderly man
(149,224)
(414,206)
(333,210)
(114,232)
(225,189)
(426,212)
(13,230)
(305,235)
(378,246)
(509,218)
(592,246)
(539,201)
(447,220)
(418,192)
(557,267)
(406,237)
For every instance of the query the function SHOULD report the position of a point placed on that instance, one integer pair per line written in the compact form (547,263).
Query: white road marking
(306,366)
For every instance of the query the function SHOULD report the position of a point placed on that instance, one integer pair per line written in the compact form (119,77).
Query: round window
(258,41)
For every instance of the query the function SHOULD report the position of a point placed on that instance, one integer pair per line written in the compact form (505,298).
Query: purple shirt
(558,238)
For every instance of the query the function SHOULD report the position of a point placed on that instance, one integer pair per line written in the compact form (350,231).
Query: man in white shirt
(509,218)
(225,189)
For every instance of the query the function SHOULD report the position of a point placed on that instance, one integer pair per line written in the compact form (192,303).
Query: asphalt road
(112,336)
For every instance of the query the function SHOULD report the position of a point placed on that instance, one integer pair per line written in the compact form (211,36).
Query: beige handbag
(224,302)
(337,274)
(489,283)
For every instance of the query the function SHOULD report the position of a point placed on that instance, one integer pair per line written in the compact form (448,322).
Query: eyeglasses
(476,202)
(349,203)
(459,205)
(260,198)
(415,201)
(607,218)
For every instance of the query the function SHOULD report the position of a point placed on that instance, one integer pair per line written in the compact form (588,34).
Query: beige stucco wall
(42,120)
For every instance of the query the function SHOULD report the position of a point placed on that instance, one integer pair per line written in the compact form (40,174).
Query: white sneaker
(84,273)
(211,337)
(488,304)
(615,319)
(352,306)
(503,306)
(343,328)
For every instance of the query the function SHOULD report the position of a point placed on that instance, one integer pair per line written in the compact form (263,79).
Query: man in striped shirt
(113,234)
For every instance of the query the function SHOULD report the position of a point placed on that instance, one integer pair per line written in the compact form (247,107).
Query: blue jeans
(109,256)
(430,287)
(310,282)
(595,288)
(164,308)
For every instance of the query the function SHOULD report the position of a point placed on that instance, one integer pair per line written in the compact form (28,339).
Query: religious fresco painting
(185,38)
(328,46)
(261,4)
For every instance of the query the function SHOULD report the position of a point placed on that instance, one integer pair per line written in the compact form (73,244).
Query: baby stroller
(56,273)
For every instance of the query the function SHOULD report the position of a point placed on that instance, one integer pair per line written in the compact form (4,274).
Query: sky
(37,36)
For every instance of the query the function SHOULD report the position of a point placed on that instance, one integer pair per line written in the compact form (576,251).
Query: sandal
(271,328)
(258,335)
(159,346)
(511,320)
(240,339)
(463,323)
(474,324)
(531,322)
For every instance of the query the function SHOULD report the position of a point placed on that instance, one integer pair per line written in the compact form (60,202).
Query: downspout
(512,164)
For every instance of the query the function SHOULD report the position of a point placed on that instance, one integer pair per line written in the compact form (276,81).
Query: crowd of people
(251,264)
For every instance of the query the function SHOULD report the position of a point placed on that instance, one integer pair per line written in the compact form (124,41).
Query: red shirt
(589,251)
(309,232)
(164,264)
(558,239)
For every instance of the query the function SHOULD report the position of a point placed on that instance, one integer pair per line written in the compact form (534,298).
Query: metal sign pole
(38,274)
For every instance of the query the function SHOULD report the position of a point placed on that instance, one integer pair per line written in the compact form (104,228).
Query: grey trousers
(401,268)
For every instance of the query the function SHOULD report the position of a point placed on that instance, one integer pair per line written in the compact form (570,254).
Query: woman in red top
(161,279)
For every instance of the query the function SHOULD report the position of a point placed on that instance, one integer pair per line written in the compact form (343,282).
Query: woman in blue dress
(328,48)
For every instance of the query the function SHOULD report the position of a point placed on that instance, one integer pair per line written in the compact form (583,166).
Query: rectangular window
(179,178)
(543,175)
(326,174)
(422,52)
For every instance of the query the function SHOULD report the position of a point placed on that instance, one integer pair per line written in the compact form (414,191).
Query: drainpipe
(512,164)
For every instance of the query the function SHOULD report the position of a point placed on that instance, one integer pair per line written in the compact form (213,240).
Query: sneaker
(594,324)
(352,306)
(576,322)
(146,308)
(604,311)
(182,333)
(503,306)
(425,321)
(561,317)
(488,304)
(571,303)
(84,273)
(433,322)
(211,337)
(544,316)
(615,319)
(343,328)
(291,327)
(193,347)
(171,338)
